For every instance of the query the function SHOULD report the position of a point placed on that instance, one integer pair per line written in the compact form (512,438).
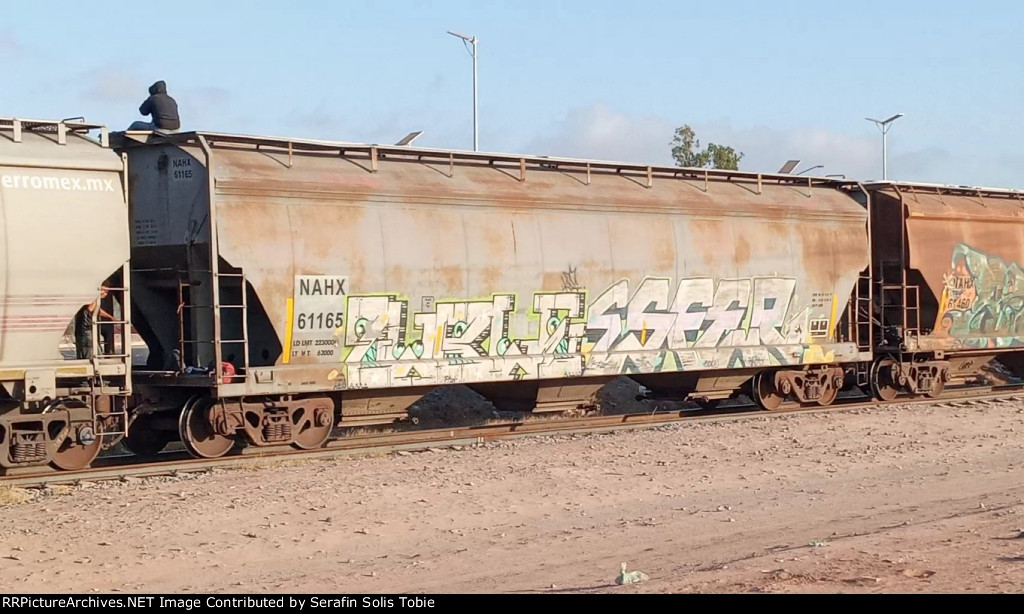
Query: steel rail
(175,463)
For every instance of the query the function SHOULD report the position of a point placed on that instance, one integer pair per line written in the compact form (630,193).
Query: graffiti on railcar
(461,341)
(982,300)
(380,329)
(569,282)
(700,314)
(658,326)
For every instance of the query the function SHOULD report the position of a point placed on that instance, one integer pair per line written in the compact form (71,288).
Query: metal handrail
(521,163)
(944,190)
(53,126)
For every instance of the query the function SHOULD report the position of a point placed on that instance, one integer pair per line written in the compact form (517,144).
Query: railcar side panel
(64,233)
(415,275)
(969,251)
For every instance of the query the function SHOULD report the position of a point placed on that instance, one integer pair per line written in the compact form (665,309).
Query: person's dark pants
(83,347)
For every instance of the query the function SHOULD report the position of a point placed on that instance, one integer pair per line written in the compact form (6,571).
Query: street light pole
(472,40)
(884,126)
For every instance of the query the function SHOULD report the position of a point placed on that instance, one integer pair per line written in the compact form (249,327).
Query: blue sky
(597,78)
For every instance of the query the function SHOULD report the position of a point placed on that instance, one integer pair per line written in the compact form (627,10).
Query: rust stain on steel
(490,276)
(396,277)
(641,247)
(936,226)
(969,249)
(819,248)
(705,234)
(552,280)
(492,230)
(466,274)
(742,253)
(452,279)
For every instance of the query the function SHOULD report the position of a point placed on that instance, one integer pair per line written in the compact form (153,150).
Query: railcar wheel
(313,427)
(883,384)
(79,449)
(197,435)
(765,392)
(82,442)
(142,439)
(829,397)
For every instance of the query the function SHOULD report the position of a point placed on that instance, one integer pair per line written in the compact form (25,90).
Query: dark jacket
(162,107)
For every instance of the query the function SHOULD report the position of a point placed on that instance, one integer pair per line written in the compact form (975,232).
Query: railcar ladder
(217,311)
(908,301)
(99,355)
(244,341)
(862,323)
(863,314)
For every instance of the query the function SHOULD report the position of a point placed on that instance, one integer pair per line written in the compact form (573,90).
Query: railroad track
(179,462)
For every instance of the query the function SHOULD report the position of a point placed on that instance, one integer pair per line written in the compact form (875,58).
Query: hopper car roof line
(18,126)
(910,188)
(60,127)
(292,146)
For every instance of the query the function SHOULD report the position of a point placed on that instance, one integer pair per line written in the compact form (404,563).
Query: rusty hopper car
(64,228)
(284,286)
(949,284)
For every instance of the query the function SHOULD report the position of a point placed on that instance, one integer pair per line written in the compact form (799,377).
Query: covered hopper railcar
(948,285)
(64,230)
(283,286)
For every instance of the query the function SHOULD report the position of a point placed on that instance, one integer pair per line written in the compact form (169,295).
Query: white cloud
(604,133)
(766,150)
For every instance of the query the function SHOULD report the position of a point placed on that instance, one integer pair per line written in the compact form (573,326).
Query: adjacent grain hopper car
(948,285)
(64,229)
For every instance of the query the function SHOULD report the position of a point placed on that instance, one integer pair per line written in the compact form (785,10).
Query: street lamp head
(883,126)
(885,122)
(468,39)
(813,168)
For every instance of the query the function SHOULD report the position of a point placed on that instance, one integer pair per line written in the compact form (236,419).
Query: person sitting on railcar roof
(162,108)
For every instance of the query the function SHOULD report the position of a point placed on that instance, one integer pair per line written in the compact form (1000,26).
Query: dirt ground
(895,500)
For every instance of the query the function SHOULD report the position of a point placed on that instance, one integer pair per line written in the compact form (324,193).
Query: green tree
(723,157)
(687,153)
(685,148)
